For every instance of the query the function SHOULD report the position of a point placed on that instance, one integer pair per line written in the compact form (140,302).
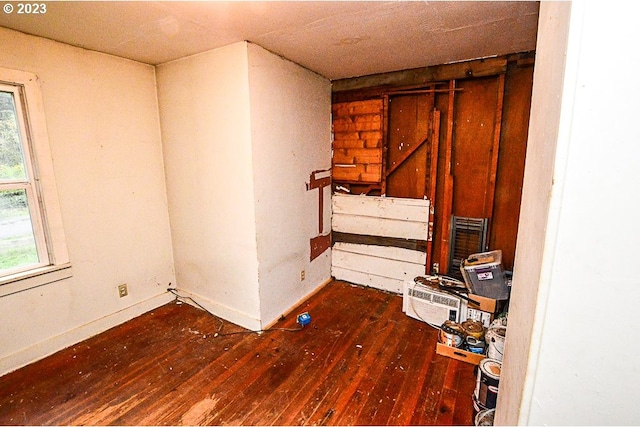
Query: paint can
(451,334)
(486,392)
(473,328)
(474,345)
(485,417)
(477,407)
(495,339)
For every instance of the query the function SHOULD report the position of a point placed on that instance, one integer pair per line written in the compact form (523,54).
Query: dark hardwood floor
(360,361)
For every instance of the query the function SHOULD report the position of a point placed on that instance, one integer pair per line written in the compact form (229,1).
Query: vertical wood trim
(433,174)
(448,184)
(435,146)
(385,144)
(493,170)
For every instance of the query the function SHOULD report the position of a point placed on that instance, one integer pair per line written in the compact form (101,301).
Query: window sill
(34,278)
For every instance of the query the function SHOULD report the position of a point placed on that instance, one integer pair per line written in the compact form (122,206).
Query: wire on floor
(219,333)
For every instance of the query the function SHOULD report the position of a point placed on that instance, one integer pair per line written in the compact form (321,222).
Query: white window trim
(59,266)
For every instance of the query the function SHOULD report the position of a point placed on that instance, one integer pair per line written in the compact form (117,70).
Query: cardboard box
(489,305)
(481,316)
(485,311)
(459,354)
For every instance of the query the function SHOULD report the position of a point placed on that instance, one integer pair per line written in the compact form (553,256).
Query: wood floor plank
(320,355)
(360,361)
(344,334)
(422,340)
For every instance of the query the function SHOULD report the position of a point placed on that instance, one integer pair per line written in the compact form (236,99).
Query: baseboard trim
(54,344)
(219,310)
(297,304)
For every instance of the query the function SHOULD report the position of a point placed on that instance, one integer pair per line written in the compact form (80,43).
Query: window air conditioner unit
(431,306)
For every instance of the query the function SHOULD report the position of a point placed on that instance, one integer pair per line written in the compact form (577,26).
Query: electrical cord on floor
(219,333)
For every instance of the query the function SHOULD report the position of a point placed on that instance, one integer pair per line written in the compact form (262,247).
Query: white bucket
(495,339)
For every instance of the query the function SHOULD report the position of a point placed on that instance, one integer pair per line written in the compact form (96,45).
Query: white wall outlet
(302,275)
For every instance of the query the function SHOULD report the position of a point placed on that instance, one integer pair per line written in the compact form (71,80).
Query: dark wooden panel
(361,361)
(441,104)
(444,186)
(420,76)
(474,118)
(409,117)
(416,245)
(513,146)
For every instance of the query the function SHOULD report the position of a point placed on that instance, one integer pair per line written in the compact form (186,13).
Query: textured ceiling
(337,39)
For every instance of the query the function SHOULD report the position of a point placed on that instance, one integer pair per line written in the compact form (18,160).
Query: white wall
(206,132)
(243,129)
(102,117)
(575,283)
(290,138)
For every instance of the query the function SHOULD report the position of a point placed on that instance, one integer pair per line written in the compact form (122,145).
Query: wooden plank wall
(410,117)
(357,141)
(513,147)
(483,110)
(379,241)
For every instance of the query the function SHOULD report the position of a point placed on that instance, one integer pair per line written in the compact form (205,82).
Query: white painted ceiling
(337,39)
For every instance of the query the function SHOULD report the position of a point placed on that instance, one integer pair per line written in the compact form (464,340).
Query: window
(22,244)
(32,245)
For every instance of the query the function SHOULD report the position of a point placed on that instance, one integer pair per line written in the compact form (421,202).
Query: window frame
(46,215)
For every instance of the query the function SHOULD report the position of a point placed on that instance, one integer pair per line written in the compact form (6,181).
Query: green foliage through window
(17,239)
(11,156)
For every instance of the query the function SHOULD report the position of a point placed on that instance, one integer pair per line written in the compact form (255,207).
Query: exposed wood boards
(318,245)
(511,160)
(381,207)
(414,244)
(385,144)
(361,361)
(476,141)
(487,130)
(318,180)
(424,76)
(407,146)
(357,141)
(385,257)
(389,227)
(431,182)
(381,267)
(360,173)
(388,284)
(380,216)
(357,155)
(447,197)
(492,170)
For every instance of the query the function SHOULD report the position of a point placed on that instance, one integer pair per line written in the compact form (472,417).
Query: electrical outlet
(302,274)
(122,290)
